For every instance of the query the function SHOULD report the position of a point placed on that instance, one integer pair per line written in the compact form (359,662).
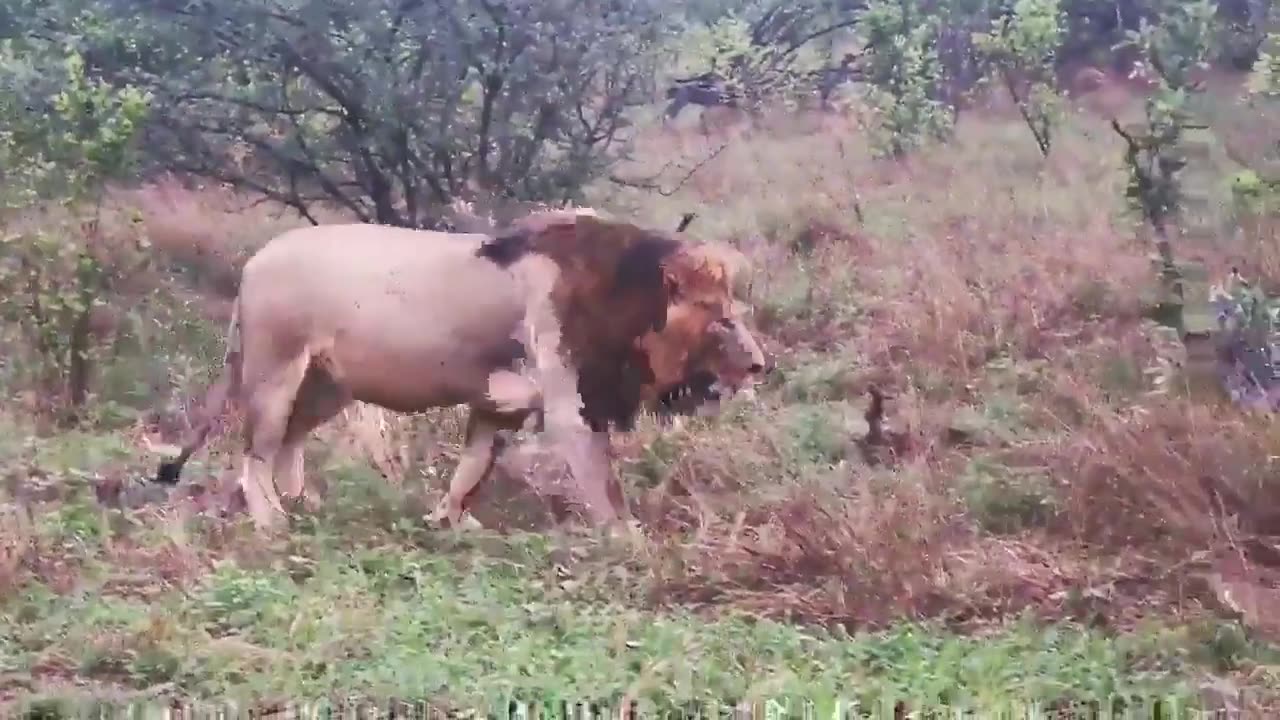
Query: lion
(410,320)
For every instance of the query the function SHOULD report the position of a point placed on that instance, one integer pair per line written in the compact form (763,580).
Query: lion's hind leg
(320,398)
(480,447)
(271,387)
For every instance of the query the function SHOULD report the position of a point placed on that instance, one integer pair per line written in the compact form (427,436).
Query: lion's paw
(456,518)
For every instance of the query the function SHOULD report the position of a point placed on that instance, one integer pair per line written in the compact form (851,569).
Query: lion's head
(644,317)
(705,351)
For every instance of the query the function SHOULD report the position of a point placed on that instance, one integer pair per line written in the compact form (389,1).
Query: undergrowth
(137,599)
(1035,520)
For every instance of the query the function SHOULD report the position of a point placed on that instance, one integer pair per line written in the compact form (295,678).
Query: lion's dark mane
(611,292)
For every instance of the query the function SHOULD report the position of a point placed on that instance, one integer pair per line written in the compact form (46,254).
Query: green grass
(139,602)
(471,627)
(359,600)
(143,602)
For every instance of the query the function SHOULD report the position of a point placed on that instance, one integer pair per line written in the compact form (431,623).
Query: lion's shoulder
(594,256)
(611,290)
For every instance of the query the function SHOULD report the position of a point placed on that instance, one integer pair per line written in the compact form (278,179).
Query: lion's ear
(694,270)
(671,279)
(682,273)
(720,262)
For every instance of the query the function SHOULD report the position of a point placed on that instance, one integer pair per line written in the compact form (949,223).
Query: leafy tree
(765,50)
(1256,186)
(1264,79)
(963,66)
(1179,43)
(1094,28)
(904,74)
(1156,154)
(711,47)
(1244,31)
(1020,48)
(1248,342)
(59,148)
(388,109)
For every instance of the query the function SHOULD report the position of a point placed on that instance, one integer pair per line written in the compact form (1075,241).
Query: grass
(470,629)
(1042,522)
(470,621)
(141,599)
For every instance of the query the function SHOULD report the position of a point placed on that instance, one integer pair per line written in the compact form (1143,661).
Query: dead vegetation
(988,302)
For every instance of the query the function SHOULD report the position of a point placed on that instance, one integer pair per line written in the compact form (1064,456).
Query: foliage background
(1067,493)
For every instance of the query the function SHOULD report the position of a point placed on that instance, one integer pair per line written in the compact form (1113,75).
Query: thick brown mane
(612,290)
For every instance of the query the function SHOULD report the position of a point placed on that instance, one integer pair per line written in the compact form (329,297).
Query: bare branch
(668,192)
(392,108)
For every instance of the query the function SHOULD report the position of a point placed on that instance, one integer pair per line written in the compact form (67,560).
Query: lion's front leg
(554,379)
(513,393)
(587,454)
(479,450)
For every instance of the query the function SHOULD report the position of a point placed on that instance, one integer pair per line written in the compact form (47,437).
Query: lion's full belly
(410,373)
(405,323)
(440,353)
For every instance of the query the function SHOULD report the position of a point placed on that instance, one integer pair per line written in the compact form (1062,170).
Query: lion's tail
(215,401)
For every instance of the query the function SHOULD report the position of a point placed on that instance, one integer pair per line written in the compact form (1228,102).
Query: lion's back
(348,274)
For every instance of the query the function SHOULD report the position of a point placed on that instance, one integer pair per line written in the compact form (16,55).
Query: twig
(1115,125)
(875,418)
(649,185)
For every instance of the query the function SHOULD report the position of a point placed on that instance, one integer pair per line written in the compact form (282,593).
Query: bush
(56,163)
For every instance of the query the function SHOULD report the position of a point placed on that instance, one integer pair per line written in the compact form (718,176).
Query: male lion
(411,319)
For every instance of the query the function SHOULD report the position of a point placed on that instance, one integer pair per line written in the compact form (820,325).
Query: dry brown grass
(975,278)
(932,277)
(210,230)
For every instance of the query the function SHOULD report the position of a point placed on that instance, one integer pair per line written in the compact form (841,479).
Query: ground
(1042,521)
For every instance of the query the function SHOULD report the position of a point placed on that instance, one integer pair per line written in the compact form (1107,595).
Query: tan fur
(410,320)
(487,217)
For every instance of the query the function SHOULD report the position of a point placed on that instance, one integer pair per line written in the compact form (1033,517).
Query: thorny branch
(650,183)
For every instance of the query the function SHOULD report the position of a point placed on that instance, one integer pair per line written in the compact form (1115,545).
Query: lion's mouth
(690,394)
